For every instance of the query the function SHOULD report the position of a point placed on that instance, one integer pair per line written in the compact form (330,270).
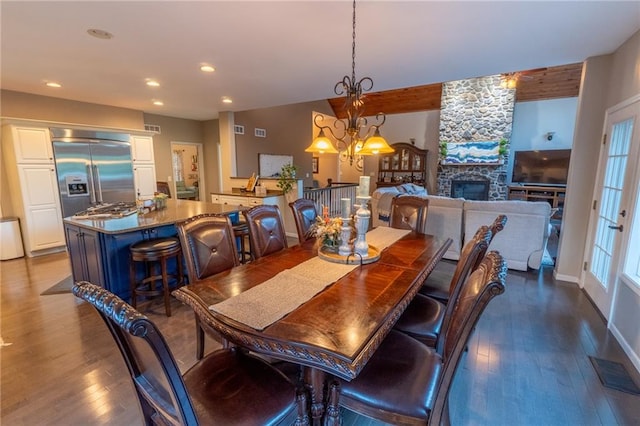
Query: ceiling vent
(238,129)
(260,133)
(152,128)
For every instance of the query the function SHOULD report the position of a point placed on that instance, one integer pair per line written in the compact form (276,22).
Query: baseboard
(568,278)
(633,357)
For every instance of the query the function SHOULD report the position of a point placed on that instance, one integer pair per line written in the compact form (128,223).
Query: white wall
(533,120)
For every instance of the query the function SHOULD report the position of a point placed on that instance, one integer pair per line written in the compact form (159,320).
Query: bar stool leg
(165,286)
(132,282)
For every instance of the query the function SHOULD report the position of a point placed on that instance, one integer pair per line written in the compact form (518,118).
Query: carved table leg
(314,379)
(332,416)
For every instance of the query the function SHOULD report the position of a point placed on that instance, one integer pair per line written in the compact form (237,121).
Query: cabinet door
(215,198)
(32,145)
(43,215)
(142,149)
(145,180)
(76,255)
(93,259)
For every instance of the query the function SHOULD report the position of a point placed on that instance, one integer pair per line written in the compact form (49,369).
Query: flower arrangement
(327,231)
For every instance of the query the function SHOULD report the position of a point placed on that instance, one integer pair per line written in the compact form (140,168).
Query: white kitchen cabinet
(32,145)
(33,186)
(144,167)
(144,176)
(276,200)
(142,149)
(215,198)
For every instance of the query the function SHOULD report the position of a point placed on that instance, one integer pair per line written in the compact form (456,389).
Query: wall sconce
(549,136)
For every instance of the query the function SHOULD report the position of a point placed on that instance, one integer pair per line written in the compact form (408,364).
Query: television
(545,167)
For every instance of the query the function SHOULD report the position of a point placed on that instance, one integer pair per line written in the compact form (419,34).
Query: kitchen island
(99,248)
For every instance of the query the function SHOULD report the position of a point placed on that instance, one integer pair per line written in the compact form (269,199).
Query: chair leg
(165,287)
(332,415)
(303,411)
(199,339)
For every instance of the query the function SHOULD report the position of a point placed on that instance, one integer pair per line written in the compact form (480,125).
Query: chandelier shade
(356,139)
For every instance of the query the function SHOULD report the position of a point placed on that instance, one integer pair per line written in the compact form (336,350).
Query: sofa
(186,192)
(522,242)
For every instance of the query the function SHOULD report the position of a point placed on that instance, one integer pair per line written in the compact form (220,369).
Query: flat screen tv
(546,167)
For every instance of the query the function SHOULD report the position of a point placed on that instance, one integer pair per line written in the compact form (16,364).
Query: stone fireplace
(472,110)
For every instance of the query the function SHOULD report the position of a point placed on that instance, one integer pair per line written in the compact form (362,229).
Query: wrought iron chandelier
(356,140)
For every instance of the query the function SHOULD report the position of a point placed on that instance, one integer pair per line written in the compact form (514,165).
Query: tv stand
(554,195)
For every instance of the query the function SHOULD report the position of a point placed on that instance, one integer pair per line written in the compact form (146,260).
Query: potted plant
(287,178)
(502,149)
(442,151)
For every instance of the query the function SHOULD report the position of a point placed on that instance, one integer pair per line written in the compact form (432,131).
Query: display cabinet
(407,164)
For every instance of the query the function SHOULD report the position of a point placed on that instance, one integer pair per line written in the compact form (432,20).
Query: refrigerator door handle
(92,185)
(99,185)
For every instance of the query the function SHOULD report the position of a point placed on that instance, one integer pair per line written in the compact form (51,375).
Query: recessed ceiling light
(158,103)
(227,100)
(53,84)
(104,35)
(207,68)
(152,83)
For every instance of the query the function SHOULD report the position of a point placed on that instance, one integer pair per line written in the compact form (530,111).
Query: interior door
(612,202)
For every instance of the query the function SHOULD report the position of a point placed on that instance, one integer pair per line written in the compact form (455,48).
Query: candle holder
(363,216)
(345,248)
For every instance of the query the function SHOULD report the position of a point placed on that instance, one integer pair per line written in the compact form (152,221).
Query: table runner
(266,303)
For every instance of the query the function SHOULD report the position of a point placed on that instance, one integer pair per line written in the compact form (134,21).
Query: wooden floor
(527,363)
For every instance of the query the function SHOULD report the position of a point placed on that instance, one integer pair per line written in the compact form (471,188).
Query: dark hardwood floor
(527,362)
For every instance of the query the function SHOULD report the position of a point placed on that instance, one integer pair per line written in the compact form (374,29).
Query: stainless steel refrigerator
(93,168)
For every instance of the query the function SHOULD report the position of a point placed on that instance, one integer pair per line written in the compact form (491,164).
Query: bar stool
(241,232)
(155,252)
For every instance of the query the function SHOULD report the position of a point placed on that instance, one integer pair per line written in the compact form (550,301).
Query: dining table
(326,314)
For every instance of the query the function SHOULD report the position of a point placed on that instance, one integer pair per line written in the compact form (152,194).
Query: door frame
(201,175)
(626,203)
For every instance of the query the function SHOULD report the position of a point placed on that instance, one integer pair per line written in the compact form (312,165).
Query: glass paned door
(610,201)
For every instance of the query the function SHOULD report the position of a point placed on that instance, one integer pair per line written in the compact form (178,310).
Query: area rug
(63,286)
(613,375)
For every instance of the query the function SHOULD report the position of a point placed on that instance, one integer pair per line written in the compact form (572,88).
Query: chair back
(409,212)
(208,244)
(486,282)
(155,374)
(266,230)
(304,213)
(163,188)
(472,254)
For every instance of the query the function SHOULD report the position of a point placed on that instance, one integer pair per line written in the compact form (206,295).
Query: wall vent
(152,128)
(238,129)
(261,133)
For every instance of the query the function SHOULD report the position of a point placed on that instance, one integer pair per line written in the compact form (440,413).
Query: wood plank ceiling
(533,85)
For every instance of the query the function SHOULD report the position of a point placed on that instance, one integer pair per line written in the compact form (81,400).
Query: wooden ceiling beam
(542,83)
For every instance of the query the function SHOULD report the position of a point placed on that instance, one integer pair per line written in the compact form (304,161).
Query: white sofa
(522,242)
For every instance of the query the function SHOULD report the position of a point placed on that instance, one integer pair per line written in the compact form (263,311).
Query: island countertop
(176,211)
(252,194)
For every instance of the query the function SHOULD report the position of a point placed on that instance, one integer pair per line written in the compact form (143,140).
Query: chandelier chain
(353,45)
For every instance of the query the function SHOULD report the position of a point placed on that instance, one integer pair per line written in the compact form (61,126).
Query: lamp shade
(376,144)
(322,144)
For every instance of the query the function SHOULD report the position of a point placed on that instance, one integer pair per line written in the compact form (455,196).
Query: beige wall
(45,108)
(172,130)
(289,131)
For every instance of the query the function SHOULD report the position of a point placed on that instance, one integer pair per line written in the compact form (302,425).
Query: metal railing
(330,196)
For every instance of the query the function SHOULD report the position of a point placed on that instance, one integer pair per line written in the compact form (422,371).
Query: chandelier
(356,139)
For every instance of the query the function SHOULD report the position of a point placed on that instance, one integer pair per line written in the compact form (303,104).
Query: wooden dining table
(337,330)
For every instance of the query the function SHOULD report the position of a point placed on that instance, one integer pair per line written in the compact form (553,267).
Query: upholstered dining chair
(304,213)
(163,188)
(422,376)
(209,247)
(228,386)
(266,230)
(425,318)
(409,212)
(437,285)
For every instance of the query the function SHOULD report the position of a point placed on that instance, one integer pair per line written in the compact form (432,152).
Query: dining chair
(406,382)
(163,188)
(437,285)
(209,247)
(304,214)
(266,230)
(409,212)
(426,319)
(228,386)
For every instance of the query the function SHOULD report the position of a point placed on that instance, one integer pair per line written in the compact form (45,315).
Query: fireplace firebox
(470,189)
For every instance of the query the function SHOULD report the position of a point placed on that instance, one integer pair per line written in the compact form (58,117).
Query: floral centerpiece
(327,231)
